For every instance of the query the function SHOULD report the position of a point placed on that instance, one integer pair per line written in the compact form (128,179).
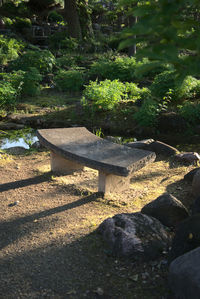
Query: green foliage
(25,83)
(168,30)
(55,17)
(105,95)
(8,95)
(42,60)
(162,83)
(20,24)
(189,88)
(146,116)
(190,112)
(9,49)
(71,80)
(121,68)
(60,41)
(149,69)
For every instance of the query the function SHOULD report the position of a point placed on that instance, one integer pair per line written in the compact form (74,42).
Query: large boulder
(134,235)
(196,184)
(184,275)
(190,158)
(161,148)
(167,209)
(195,208)
(187,237)
(190,175)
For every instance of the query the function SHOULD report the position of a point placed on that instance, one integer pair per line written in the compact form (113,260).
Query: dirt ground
(48,240)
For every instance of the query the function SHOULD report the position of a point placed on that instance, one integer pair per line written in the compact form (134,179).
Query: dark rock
(196,184)
(142,144)
(37,145)
(167,209)
(171,122)
(187,237)
(134,235)
(10,126)
(190,175)
(16,150)
(184,275)
(195,209)
(162,148)
(188,158)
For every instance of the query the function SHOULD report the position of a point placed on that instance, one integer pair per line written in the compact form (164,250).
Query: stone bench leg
(109,183)
(62,165)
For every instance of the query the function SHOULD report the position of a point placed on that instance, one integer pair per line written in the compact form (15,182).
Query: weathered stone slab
(81,146)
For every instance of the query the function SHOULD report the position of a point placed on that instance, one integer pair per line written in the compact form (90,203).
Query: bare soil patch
(48,240)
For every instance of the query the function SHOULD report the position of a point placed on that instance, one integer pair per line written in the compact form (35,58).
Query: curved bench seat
(73,148)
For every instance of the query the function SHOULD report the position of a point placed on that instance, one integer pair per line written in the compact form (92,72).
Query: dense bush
(162,83)
(122,68)
(146,116)
(149,69)
(190,112)
(105,95)
(71,80)
(189,88)
(55,17)
(8,95)
(42,60)
(60,41)
(25,83)
(19,24)
(9,49)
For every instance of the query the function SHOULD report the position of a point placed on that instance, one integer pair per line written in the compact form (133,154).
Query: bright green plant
(25,83)
(189,88)
(146,116)
(104,95)
(42,60)
(8,95)
(71,80)
(10,49)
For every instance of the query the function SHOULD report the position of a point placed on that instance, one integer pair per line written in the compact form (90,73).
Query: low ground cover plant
(10,49)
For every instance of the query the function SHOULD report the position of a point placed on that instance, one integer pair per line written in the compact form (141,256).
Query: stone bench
(73,148)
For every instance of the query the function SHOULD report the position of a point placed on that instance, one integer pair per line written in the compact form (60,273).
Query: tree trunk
(72,19)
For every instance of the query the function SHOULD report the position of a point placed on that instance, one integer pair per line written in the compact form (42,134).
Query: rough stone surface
(10,126)
(196,184)
(142,144)
(187,237)
(188,157)
(190,175)
(167,209)
(80,145)
(134,235)
(162,148)
(184,275)
(16,150)
(195,208)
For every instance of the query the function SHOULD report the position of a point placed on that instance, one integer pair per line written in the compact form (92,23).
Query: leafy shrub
(71,80)
(59,40)
(25,83)
(190,112)
(147,114)
(20,24)
(43,61)
(122,68)
(9,49)
(55,17)
(149,69)
(8,94)
(162,83)
(65,61)
(189,88)
(105,95)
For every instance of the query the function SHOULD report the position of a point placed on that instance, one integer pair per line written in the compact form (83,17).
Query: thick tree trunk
(72,19)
